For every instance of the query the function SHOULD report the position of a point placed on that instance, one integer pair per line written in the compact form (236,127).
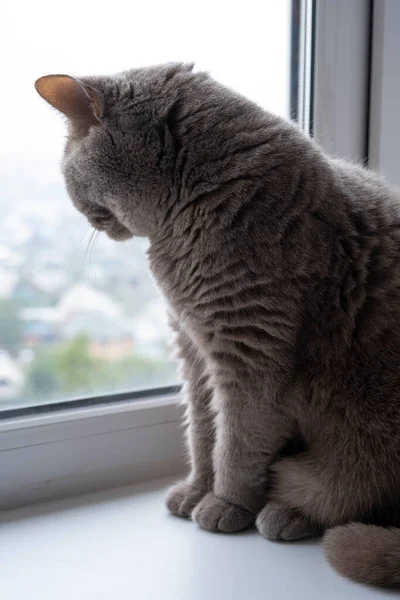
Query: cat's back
(367,193)
(356,302)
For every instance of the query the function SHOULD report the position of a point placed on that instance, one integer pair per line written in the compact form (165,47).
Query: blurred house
(110,338)
(85,310)
(84,298)
(41,326)
(82,310)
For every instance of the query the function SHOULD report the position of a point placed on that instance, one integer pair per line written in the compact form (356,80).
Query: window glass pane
(79,314)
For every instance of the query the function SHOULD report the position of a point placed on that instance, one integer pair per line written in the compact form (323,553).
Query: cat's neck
(235,190)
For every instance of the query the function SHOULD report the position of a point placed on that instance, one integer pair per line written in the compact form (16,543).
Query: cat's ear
(81,103)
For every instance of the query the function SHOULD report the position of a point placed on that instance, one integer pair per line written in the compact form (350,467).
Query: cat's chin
(103,220)
(118,232)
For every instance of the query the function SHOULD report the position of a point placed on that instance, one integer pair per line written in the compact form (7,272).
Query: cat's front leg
(250,432)
(185,495)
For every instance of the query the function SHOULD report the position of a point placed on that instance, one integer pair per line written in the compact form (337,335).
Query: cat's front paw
(182,498)
(216,514)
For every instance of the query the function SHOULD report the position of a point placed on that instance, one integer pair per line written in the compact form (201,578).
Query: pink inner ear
(69,97)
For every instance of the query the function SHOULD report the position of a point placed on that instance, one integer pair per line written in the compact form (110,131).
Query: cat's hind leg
(278,522)
(291,490)
(309,495)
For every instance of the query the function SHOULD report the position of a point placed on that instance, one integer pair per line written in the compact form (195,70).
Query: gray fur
(281,269)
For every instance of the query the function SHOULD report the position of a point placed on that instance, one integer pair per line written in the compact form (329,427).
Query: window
(79,315)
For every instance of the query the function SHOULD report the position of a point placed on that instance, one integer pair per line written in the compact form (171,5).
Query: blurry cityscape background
(79,314)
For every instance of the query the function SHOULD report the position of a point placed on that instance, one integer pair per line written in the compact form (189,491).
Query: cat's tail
(365,553)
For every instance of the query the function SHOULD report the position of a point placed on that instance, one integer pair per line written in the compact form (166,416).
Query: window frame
(69,452)
(341,82)
(384,131)
(65,449)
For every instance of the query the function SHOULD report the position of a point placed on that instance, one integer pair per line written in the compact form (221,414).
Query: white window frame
(384,131)
(76,450)
(342,50)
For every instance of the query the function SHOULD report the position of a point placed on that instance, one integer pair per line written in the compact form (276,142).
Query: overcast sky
(243,44)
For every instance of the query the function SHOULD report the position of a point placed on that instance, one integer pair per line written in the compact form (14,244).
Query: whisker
(87,247)
(87,229)
(92,254)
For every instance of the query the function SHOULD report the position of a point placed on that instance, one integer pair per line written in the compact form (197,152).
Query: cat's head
(120,157)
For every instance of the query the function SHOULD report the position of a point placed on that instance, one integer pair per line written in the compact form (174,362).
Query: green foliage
(42,380)
(10,327)
(75,367)
(71,370)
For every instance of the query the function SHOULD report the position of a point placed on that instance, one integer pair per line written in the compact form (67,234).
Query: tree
(41,381)
(76,368)
(64,371)
(72,370)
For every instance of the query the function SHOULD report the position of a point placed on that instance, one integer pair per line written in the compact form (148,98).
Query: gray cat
(281,268)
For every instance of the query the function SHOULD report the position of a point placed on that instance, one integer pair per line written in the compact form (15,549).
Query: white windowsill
(122,544)
(75,451)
